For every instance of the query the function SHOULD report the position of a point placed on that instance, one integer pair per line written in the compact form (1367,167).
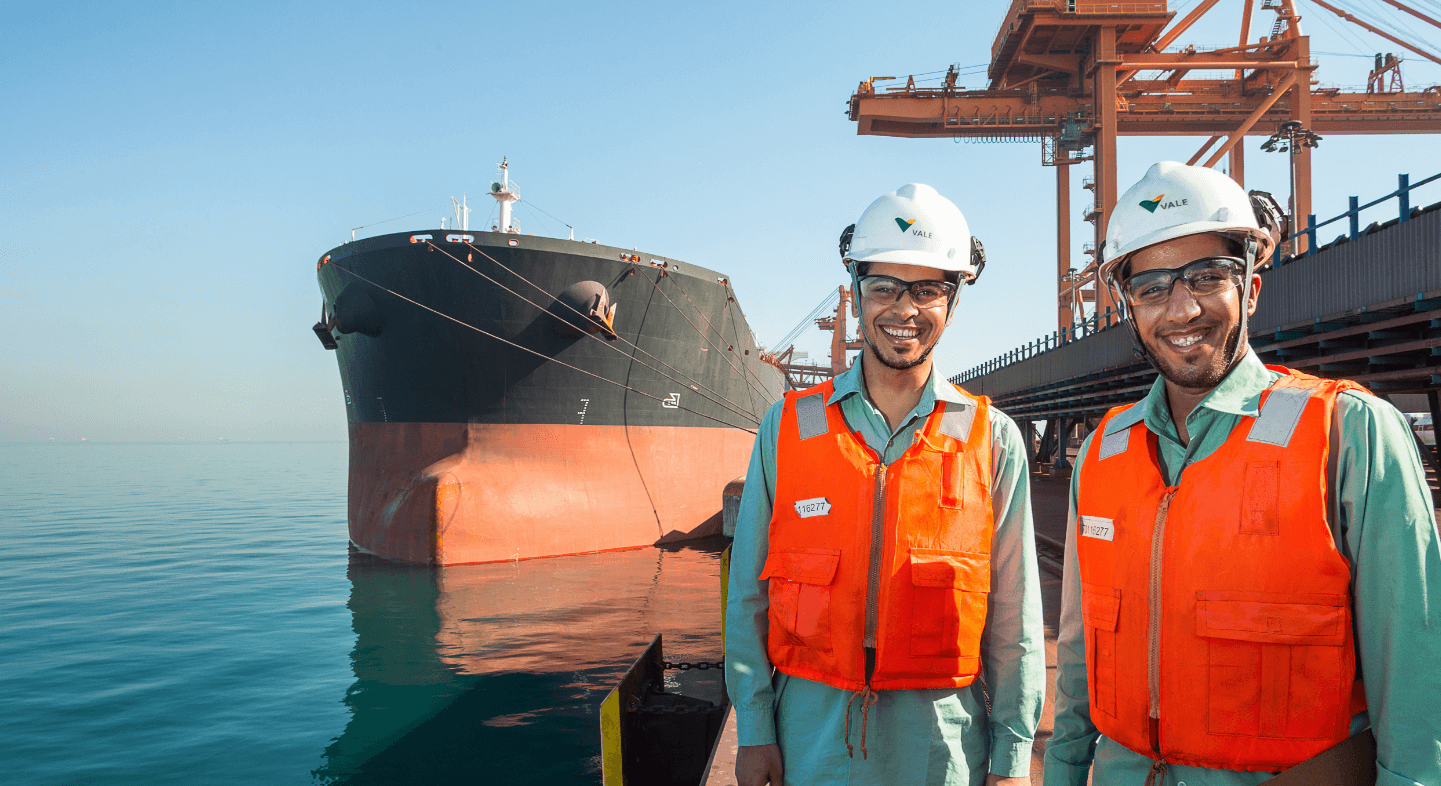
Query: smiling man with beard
(884,562)
(1251,573)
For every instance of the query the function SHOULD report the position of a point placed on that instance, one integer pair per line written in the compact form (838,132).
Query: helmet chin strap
(855,295)
(1129,320)
(1243,341)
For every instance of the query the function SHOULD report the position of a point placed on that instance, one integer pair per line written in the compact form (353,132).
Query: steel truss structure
(1078,75)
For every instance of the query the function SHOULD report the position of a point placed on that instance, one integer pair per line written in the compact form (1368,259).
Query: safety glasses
(1209,276)
(886,291)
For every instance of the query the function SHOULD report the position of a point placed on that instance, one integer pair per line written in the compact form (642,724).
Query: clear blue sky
(170,172)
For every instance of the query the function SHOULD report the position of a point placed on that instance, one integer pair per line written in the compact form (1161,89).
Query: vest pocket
(800,595)
(1100,611)
(948,602)
(1274,663)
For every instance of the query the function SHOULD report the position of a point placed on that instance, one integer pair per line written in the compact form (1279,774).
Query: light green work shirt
(913,737)
(1387,530)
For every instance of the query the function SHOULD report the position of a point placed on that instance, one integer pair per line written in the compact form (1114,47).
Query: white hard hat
(1174,200)
(914,225)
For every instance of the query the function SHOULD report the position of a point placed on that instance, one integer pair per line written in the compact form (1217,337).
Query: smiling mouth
(1186,340)
(901,333)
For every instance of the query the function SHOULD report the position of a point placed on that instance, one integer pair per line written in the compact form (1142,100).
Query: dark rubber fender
(357,312)
(591,299)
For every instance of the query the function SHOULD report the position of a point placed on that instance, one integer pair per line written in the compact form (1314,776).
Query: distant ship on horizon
(512,396)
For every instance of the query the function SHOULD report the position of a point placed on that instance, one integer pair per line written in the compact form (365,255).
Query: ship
(512,396)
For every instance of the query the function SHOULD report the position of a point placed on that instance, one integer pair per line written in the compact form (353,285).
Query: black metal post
(1434,402)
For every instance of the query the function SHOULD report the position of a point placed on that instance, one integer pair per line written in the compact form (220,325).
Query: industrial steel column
(1238,153)
(1105,108)
(1301,110)
(838,336)
(1063,243)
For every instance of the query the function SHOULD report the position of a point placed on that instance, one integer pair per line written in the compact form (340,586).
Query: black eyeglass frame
(909,287)
(1236,265)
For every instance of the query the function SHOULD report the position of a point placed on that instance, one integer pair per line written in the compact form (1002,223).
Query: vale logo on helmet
(906,225)
(1152,204)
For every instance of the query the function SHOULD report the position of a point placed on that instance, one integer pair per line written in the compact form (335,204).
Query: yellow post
(610,753)
(725,567)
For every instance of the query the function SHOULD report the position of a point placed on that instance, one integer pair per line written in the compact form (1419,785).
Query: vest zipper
(1153,657)
(873,577)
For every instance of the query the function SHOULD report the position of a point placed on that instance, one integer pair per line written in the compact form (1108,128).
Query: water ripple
(190,613)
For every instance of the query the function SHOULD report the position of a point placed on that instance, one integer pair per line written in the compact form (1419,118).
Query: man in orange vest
(884,563)
(1251,573)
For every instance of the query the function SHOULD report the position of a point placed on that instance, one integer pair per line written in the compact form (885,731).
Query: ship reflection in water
(495,673)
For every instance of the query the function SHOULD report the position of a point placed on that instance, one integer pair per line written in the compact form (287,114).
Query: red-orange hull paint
(457,493)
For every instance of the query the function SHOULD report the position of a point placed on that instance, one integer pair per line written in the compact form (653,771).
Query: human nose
(1181,304)
(906,305)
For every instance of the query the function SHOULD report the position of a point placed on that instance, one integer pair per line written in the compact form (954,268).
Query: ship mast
(502,193)
(462,213)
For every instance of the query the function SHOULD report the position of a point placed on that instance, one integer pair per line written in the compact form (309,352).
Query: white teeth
(1186,341)
(900,332)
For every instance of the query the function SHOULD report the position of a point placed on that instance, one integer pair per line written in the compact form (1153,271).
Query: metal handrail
(1091,325)
(1094,7)
(1404,187)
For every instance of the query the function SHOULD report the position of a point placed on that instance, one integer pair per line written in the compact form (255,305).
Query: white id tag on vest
(1097,527)
(819,506)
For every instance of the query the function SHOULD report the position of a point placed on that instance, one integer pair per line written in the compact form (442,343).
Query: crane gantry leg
(1064,316)
(1105,112)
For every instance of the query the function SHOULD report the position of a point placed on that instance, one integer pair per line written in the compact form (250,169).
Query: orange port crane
(1076,75)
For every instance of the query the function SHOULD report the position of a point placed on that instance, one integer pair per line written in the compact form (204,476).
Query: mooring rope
(721,400)
(743,376)
(719,332)
(531,351)
(734,330)
(628,342)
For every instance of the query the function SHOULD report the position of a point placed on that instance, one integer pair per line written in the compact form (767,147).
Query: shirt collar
(1238,394)
(852,382)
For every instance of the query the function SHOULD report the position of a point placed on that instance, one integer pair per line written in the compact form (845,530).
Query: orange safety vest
(894,560)
(1217,613)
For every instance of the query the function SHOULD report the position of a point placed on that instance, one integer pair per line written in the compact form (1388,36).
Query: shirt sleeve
(748,668)
(1013,651)
(1389,524)
(1073,739)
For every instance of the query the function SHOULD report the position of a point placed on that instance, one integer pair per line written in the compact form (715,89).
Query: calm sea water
(191,614)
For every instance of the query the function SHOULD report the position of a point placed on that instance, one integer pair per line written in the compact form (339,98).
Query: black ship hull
(499,409)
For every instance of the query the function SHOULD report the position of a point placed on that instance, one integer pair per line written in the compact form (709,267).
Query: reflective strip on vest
(1115,443)
(811,416)
(1279,416)
(956,423)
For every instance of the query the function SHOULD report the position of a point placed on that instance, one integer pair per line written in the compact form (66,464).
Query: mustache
(1163,331)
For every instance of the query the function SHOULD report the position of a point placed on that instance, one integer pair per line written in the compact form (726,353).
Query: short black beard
(875,353)
(1200,377)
